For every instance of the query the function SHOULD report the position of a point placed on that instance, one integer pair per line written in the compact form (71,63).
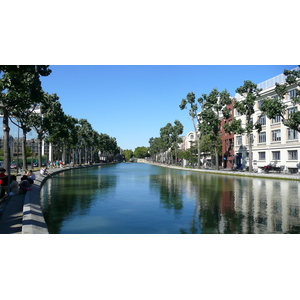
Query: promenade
(271,175)
(22,214)
(12,215)
(11,221)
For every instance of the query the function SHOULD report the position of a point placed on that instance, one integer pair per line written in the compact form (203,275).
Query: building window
(291,111)
(262,155)
(276,155)
(292,154)
(276,135)
(239,140)
(292,134)
(262,137)
(276,119)
(259,103)
(251,139)
(292,94)
(262,120)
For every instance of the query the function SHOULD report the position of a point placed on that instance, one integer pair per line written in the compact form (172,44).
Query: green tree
(128,154)
(214,107)
(108,146)
(276,106)
(189,154)
(166,140)
(155,147)
(170,138)
(176,139)
(46,121)
(62,136)
(85,138)
(141,152)
(209,142)
(190,104)
(20,88)
(245,107)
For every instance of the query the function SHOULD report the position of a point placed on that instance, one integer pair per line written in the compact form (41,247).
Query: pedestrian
(3,182)
(31,176)
(24,184)
(14,186)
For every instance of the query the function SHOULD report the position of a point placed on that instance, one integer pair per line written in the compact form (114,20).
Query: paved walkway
(12,215)
(271,175)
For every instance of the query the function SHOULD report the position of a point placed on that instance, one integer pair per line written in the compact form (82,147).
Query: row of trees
(167,143)
(207,112)
(23,102)
(139,152)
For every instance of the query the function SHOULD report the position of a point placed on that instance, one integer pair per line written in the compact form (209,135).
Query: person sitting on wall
(14,186)
(25,185)
(3,182)
(44,171)
(31,176)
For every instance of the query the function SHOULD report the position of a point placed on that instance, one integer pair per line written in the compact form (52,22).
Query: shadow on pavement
(11,216)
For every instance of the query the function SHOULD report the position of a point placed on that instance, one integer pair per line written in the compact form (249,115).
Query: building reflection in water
(179,201)
(233,204)
(251,206)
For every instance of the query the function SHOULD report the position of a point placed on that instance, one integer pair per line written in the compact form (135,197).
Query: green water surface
(145,199)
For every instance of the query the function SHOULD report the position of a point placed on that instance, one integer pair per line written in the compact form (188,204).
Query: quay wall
(270,175)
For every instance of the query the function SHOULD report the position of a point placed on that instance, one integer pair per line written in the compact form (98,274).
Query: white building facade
(276,144)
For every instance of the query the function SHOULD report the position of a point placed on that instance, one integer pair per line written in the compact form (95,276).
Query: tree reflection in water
(139,198)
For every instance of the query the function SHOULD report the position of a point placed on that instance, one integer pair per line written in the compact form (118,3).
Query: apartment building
(276,144)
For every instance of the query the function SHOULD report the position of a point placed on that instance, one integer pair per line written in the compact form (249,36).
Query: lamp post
(32,153)
(18,149)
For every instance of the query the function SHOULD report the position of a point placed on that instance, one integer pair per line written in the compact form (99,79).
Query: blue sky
(132,102)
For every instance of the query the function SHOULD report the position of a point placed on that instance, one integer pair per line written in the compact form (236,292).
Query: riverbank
(227,172)
(22,214)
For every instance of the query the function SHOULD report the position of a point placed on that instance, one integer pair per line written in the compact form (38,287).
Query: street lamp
(18,149)
(32,153)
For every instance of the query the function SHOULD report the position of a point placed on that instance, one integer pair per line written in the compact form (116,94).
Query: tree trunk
(198,137)
(85,154)
(79,156)
(6,130)
(217,157)
(73,156)
(40,150)
(63,156)
(250,151)
(24,156)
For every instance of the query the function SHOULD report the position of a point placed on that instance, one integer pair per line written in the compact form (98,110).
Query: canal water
(139,198)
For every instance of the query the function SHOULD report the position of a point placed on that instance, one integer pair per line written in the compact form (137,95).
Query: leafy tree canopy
(141,152)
